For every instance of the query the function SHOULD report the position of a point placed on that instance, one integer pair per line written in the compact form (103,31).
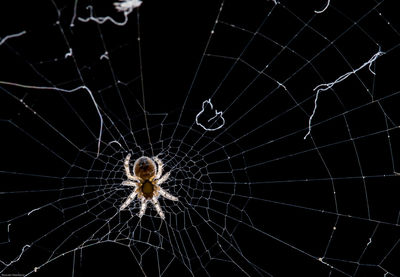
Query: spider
(146,180)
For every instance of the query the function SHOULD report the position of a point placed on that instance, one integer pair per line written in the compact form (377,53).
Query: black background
(290,226)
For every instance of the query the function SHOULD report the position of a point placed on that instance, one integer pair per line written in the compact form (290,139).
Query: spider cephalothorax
(146,180)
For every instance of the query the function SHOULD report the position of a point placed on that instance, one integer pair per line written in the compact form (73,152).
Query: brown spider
(146,181)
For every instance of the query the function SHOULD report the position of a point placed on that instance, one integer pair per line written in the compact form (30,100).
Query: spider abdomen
(144,168)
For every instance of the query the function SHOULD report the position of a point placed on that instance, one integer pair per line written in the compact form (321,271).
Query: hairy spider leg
(129,183)
(128,172)
(128,200)
(158,208)
(143,207)
(163,179)
(160,167)
(167,195)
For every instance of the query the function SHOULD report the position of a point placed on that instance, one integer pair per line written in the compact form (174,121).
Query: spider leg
(127,171)
(129,183)
(160,166)
(128,200)
(126,165)
(167,195)
(142,208)
(163,179)
(158,208)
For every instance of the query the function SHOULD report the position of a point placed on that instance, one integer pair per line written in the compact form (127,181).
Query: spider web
(277,120)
